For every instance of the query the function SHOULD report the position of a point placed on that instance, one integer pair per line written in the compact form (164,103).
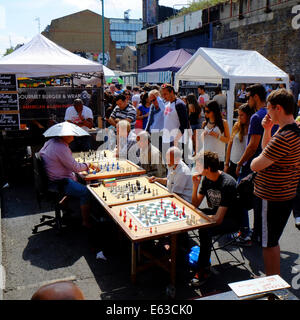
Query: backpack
(246,186)
(245,190)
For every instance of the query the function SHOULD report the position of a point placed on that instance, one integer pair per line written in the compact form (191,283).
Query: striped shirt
(129,112)
(278,182)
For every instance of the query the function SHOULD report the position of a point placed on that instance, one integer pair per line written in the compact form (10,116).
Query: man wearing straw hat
(61,167)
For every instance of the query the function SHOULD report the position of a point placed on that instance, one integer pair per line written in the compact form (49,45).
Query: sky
(19,19)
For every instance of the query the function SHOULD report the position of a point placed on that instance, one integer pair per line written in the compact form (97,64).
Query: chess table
(150,217)
(128,190)
(110,166)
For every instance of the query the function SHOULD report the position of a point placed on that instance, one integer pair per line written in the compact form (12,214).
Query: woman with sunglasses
(216,131)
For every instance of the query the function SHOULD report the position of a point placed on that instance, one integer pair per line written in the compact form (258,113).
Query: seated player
(82,116)
(219,188)
(126,138)
(61,167)
(179,178)
(149,157)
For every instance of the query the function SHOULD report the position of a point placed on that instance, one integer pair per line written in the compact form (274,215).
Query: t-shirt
(72,115)
(279,181)
(203,98)
(129,112)
(221,100)
(256,128)
(180,181)
(175,118)
(220,193)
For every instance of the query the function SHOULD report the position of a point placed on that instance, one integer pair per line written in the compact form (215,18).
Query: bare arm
(197,197)
(261,162)
(219,216)
(162,181)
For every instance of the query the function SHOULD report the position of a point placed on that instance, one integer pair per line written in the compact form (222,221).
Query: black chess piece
(149,191)
(128,197)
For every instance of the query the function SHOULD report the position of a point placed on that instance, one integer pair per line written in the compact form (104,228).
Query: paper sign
(259,285)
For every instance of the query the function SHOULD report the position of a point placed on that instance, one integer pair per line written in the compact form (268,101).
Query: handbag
(245,191)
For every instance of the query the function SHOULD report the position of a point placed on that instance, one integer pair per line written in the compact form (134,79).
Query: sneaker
(244,241)
(297,222)
(201,277)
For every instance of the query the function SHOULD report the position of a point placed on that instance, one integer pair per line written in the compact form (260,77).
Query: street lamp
(102,31)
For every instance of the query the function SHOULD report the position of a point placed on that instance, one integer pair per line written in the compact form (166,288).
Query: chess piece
(150,230)
(135,228)
(120,214)
(130,223)
(124,219)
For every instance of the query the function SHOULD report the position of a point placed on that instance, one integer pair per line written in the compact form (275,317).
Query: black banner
(8,82)
(9,102)
(9,121)
(52,102)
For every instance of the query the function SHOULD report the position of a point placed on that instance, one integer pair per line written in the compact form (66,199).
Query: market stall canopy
(228,67)
(241,66)
(41,57)
(172,61)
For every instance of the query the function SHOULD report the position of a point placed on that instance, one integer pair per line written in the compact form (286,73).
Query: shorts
(273,216)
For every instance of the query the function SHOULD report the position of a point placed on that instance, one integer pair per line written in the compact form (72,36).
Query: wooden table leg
(133,262)
(173,258)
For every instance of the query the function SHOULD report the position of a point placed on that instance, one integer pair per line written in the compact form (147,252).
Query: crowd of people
(186,144)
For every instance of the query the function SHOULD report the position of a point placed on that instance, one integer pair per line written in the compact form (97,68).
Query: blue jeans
(228,225)
(78,190)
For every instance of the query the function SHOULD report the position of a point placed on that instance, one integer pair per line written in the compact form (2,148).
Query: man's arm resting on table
(219,216)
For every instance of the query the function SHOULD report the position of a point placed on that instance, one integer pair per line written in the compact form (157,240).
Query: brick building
(267,26)
(81,33)
(129,60)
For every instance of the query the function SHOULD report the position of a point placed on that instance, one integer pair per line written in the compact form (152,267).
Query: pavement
(32,260)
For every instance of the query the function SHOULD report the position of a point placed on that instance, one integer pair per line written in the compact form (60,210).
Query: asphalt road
(33,260)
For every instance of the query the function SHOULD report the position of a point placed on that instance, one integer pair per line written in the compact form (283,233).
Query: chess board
(143,228)
(128,190)
(112,168)
(157,213)
(94,156)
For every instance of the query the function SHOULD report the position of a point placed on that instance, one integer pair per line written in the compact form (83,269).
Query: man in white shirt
(176,122)
(179,178)
(82,116)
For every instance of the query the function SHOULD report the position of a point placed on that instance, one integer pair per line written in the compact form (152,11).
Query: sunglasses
(207,111)
(153,100)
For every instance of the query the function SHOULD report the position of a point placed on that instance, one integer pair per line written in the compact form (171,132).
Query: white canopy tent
(219,66)
(41,57)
